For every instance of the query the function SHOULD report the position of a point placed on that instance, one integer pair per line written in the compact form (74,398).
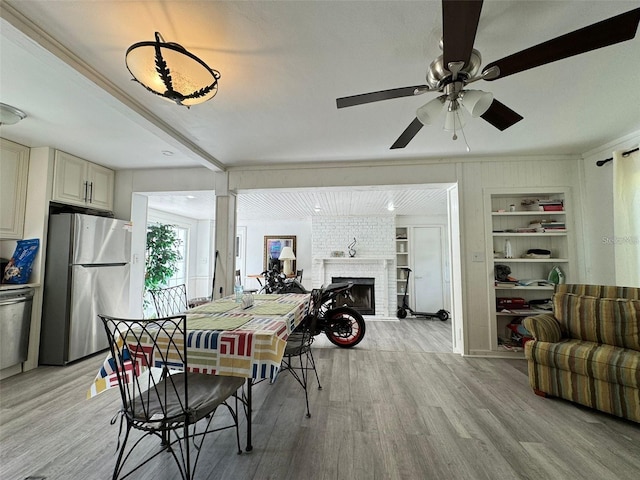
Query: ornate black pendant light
(170,71)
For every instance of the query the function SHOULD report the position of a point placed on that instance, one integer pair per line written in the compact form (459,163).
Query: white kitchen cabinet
(14,168)
(79,182)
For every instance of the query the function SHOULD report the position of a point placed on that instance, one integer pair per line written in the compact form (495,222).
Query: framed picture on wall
(273,245)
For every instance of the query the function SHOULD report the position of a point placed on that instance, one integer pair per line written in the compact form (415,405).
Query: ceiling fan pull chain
(454,109)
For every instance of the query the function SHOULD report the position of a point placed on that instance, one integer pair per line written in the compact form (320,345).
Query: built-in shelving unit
(510,215)
(402,260)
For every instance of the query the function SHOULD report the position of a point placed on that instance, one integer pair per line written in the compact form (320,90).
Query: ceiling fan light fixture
(476,102)
(455,119)
(10,115)
(171,71)
(431,110)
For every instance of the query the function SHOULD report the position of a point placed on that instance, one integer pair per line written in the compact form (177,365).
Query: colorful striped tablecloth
(224,339)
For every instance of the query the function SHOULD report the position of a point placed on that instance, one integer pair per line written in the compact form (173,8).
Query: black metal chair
(159,397)
(299,275)
(298,355)
(170,301)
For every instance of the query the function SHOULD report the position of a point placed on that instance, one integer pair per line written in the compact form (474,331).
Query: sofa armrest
(543,327)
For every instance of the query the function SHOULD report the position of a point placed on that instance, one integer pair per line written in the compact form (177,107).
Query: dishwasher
(15,323)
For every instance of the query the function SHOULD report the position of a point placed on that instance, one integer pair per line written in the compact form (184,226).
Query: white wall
(256,230)
(128,182)
(203,258)
(374,236)
(597,209)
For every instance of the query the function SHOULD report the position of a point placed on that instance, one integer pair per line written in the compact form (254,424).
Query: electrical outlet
(477,257)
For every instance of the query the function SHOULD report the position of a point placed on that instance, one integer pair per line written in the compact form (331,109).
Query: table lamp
(287,255)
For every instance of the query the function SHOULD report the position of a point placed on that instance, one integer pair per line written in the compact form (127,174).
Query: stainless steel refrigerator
(87,273)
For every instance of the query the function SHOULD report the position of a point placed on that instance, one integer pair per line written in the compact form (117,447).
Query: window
(180,276)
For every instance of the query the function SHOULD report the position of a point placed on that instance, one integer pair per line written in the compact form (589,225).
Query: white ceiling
(301,203)
(283,64)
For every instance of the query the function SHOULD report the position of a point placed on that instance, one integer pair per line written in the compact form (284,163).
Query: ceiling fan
(459,64)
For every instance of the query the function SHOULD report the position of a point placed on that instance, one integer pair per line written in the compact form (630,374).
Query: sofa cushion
(543,327)
(607,363)
(601,291)
(613,321)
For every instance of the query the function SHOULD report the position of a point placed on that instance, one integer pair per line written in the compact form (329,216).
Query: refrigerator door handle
(100,265)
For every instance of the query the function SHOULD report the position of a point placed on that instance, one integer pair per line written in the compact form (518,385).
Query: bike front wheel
(345,327)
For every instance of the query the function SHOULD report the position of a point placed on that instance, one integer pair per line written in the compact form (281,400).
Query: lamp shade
(430,110)
(170,71)
(454,120)
(476,101)
(287,254)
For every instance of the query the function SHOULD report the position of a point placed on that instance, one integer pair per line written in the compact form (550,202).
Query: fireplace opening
(363,294)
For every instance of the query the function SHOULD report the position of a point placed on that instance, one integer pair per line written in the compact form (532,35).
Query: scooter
(404,308)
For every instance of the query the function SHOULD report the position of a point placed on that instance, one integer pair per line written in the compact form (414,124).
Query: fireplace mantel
(353,259)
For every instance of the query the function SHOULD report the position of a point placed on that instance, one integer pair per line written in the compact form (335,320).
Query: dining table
(225,337)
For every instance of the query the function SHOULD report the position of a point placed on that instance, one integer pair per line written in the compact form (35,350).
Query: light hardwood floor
(398,406)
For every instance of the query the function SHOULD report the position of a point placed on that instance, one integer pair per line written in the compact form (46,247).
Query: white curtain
(626,218)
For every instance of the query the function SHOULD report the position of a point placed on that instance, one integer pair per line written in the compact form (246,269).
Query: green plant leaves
(162,255)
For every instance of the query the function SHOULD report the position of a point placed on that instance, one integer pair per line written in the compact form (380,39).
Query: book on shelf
(525,311)
(542,204)
(533,283)
(505,284)
(522,311)
(553,208)
(549,225)
(551,205)
(510,348)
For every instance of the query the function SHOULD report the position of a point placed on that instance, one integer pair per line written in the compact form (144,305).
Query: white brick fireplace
(375,267)
(374,258)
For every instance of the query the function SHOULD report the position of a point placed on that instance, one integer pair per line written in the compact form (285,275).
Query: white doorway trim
(241,254)
(455,271)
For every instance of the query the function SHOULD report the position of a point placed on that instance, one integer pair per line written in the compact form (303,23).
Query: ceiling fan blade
(501,116)
(408,134)
(602,34)
(381,95)
(459,25)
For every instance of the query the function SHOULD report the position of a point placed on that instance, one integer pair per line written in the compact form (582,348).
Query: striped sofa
(588,350)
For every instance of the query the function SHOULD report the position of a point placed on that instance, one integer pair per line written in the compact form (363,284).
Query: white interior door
(428,265)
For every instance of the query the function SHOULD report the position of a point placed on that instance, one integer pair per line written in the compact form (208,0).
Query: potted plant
(161,257)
